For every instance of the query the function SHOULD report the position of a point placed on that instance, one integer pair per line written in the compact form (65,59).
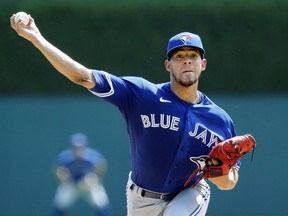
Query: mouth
(187,71)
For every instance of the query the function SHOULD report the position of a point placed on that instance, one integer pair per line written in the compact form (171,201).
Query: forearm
(74,71)
(226,182)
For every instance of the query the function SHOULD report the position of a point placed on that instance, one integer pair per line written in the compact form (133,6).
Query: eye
(194,55)
(179,56)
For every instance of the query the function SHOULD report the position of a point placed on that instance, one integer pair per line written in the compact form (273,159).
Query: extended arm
(73,70)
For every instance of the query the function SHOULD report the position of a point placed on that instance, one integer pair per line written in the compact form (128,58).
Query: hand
(29,31)
(63,174)
(212,162)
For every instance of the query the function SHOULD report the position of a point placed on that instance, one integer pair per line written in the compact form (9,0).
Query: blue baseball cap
(184,39)
(79,140)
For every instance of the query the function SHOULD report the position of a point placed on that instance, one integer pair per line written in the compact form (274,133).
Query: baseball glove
(224,156)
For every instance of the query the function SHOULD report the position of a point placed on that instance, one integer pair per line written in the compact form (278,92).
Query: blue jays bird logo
(184,38)
(200,162)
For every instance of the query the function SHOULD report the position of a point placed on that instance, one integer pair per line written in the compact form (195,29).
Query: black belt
(154,195)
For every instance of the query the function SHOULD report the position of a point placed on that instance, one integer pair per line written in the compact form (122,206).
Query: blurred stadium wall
(35,129)
(246,43)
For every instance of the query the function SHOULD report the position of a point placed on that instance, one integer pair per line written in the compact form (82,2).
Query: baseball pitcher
(172,126)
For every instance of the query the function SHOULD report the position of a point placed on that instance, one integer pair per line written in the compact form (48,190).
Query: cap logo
(184,38)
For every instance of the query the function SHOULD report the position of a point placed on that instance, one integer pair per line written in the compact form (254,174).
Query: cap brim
(170,53)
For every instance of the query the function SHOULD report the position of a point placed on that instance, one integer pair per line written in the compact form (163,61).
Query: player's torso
(165,131)
(78,166)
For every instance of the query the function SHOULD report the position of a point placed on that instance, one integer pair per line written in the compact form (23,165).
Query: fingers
(21,23)
(212,162)
(12,22)
(16,26)
(29,31)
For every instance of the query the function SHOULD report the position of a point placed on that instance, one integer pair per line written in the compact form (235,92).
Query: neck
(188,94)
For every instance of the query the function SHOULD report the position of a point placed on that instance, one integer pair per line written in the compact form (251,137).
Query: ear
(167,65)
(204,63)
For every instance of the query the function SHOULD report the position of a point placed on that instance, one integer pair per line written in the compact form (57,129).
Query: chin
(187,83)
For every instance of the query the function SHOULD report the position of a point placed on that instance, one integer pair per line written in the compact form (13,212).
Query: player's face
(185,66)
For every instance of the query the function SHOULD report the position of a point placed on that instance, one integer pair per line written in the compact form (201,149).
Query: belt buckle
(162,196)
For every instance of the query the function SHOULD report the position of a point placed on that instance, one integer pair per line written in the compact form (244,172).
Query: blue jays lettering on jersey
(165,131)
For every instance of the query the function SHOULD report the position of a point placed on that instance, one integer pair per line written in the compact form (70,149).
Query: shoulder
(106,76)
(92,151)
(214,107)
(104,79)
(219,116)
(93,155)
(65,153)
(126,85)
(65,156)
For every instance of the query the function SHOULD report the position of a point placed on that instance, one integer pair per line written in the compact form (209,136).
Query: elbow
(224,185)
(78,81)
(227,187)
(84,79)
(84,82)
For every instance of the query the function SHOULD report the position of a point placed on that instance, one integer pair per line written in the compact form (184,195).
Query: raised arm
(73,70)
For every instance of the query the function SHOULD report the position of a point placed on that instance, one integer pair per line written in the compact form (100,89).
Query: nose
(187,60)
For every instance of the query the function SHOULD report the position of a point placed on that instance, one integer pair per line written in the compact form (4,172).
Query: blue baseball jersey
(79,167)
(169,137)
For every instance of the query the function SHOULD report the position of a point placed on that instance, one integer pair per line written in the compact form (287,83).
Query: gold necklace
(196,100)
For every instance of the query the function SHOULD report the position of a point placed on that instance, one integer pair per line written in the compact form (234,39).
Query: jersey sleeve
(104,87)
(231,132)
(123,92)
(64,158)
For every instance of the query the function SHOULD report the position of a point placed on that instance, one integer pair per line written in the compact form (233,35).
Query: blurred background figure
(80,170)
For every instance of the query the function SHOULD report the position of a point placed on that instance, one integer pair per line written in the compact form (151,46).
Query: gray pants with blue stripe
(189,202)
